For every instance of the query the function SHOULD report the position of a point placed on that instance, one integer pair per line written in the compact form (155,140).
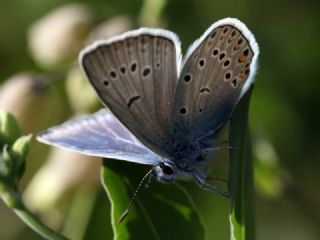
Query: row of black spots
(133,67)
(132,101)
(113,73)
(184,111)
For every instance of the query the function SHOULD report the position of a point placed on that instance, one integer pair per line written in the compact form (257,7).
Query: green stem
(12,199)
(241,174)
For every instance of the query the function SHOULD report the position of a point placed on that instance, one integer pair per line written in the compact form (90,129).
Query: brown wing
(135,75)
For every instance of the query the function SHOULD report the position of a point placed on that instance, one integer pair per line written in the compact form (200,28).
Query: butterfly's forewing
(218,69)
(100,135)
(135,75)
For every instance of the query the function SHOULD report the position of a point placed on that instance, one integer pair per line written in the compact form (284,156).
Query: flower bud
(110,28)
(57,38)
(9,129)
(35,104)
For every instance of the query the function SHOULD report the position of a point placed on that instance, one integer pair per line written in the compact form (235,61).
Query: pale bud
(112,27)
(57,38)
(34,104)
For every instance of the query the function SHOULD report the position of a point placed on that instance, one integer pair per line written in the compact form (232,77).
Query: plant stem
(12,199)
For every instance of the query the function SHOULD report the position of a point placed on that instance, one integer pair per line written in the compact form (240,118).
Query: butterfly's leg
(209,187)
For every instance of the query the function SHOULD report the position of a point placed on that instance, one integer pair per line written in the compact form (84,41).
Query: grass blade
(241,174)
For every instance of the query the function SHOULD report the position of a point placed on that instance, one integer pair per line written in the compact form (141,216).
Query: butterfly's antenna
(125,213)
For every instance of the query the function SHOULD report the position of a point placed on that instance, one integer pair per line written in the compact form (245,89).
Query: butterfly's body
(166,112)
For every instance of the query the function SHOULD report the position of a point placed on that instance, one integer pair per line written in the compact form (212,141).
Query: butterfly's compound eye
(166,169)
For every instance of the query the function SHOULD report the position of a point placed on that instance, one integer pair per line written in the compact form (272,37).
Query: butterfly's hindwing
(100,134)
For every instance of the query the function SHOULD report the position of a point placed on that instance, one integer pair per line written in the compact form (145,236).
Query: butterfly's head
(165,172)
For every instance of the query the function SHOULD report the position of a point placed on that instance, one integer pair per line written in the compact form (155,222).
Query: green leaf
(241,174)
(160,212)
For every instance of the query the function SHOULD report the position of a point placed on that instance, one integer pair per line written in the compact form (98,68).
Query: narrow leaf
(241,174)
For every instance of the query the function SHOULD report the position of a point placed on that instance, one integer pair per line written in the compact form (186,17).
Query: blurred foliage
(284,114)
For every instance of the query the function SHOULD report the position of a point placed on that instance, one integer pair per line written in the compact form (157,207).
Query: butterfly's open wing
(101,135)
(135,75)
(217,71)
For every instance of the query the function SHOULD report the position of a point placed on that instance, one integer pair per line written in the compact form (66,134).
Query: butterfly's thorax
(187,155)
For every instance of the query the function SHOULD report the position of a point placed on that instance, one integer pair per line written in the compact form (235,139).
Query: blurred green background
(42,86)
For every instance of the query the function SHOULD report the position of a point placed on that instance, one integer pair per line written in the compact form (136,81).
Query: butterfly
(163,110)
